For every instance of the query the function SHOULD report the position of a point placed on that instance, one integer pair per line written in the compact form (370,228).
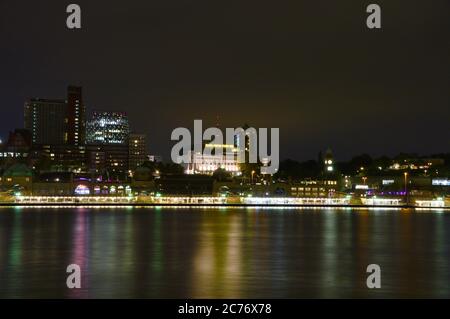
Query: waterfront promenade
(346,202)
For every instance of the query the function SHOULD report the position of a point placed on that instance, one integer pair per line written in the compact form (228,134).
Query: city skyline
(90,113)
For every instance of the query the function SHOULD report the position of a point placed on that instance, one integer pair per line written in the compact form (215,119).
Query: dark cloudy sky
(311,68)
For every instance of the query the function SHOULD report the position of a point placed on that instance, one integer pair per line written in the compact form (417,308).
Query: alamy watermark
(73,280)
(73,20)
(257,147)
(374,279)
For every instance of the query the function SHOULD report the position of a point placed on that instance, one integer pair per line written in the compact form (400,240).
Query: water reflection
(80,251)
(223,253)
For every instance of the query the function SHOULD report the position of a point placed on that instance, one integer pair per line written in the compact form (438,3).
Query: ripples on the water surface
(223,252)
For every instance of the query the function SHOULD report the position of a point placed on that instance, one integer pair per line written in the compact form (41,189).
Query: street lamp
(406,186)
(253,173)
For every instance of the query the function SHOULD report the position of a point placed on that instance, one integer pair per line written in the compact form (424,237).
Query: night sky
(311,68)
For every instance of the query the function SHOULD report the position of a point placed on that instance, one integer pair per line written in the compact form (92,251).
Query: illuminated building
(116,157)
(208,163)
(82,190)
(314,188)
(107,139)
(108,158)
(67,157)
(96,159)
(381,201)
(109,128)
(76,117)
(58,129)
(56,121)
(435,203)
(440,182)
(196,200)
(46,120)
(137,150)
(77,200)
(327,185)
(295,201)
(71,184)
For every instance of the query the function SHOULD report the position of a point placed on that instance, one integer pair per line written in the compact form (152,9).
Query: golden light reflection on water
(218,259)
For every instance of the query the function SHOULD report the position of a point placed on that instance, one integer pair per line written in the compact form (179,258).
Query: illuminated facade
(71,184)
(314,188)
(137,150)
(57,122)
(46,120)
(107,138)
(440,182)
(76,117)
(69,157)
(436,203)
(208,163)
(295,201)
(327,185)
(110,128)
(108,158)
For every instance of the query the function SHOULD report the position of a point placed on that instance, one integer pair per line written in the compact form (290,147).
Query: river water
(223,252)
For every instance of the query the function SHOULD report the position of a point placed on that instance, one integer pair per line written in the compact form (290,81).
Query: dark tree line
(361,164)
